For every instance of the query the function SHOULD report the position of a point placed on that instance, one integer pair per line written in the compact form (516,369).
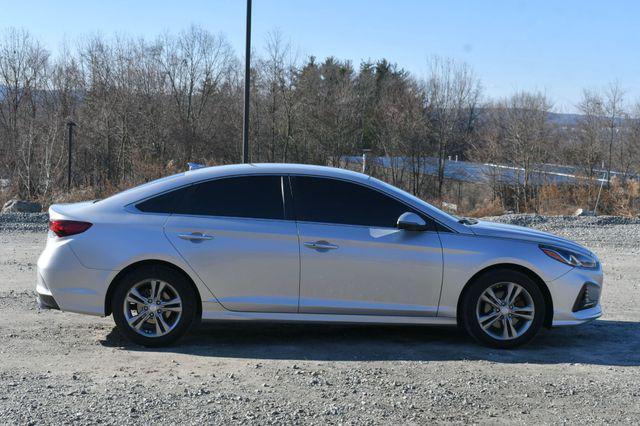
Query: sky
(558,47)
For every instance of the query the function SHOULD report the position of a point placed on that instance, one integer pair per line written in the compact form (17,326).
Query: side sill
(323,318)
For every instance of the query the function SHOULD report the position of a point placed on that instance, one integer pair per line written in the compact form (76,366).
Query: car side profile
(282,242)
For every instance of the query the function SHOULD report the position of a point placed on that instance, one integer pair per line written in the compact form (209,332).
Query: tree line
(144,108)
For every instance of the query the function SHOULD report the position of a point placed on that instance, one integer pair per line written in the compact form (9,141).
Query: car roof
(205,173)
(265,168)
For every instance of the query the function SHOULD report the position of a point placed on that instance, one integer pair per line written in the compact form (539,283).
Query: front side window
(328,200)
(257,197)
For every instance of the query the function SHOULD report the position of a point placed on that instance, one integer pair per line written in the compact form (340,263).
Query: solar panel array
(465,171)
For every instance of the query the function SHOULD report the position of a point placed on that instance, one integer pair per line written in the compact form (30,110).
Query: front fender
(466,255)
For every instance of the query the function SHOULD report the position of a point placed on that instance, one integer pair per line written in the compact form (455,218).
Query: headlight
(570,258)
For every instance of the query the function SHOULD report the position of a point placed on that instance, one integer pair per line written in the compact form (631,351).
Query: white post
(365,160)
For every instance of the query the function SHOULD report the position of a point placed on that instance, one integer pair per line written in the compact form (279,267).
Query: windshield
(419,201)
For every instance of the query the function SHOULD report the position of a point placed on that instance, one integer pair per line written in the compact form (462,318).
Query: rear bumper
(46,301)
(44,297)
(64,283)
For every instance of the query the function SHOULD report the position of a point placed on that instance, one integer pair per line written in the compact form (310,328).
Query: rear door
(238,237)
(353,258)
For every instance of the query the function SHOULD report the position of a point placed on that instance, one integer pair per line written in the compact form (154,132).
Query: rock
(20,206)
(583,212)
(450,207)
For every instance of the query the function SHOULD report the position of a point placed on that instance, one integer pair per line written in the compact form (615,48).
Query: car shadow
(602,342)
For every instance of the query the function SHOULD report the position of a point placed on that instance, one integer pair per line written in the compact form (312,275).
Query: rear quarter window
(169,202)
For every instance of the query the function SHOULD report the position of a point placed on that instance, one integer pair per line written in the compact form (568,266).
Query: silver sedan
(279,242)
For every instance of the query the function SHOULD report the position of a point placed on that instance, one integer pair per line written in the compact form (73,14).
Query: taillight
(65,228)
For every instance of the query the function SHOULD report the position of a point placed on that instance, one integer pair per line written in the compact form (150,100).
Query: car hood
(503,230)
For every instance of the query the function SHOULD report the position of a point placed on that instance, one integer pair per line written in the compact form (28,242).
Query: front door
(353,258)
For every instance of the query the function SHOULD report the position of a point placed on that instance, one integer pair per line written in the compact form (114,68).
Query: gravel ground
(23,222)
(67,368)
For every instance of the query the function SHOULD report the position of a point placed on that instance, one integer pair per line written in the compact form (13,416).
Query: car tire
(154,320)
(503,309)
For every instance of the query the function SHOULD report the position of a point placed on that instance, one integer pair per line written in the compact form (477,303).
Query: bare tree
(614,112)
(196,64)
(453,94)
(520,137)
(23,67)
(277,104)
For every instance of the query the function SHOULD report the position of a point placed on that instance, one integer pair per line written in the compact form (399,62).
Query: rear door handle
(320,245)
(196,236)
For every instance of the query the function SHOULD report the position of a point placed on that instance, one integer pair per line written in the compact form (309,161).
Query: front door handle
(320,245)
(196,236)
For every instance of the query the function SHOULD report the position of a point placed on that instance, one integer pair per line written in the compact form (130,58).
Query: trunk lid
(70,211)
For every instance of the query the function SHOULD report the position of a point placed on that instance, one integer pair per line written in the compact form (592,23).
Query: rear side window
(244,196)
(334,201)
(163,203)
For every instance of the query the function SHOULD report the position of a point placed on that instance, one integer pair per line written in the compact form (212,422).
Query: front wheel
(503,309)
(154,305)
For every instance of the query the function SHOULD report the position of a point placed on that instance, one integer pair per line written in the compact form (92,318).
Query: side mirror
(411,222)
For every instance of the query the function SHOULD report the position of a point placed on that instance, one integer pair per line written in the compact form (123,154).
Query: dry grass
(620,198)
(488,208)
(555,200)
(623,197)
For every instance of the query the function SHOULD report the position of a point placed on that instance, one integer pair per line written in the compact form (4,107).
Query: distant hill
(565,120)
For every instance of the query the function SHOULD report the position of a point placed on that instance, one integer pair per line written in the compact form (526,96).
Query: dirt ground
(60,367)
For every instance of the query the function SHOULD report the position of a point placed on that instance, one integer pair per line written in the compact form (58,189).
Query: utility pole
(247,81)
(70,125)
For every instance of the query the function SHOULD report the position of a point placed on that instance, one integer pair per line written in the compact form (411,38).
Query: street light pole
(70,125)
(247,80)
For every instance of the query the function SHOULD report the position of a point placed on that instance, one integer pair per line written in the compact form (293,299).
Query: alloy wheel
(152,308)
(505,311)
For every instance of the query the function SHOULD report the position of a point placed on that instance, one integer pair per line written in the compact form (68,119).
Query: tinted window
(336,201)
(164,203)
(246,196)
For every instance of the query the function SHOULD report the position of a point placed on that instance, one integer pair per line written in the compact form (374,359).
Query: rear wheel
(503,309)
(154,305)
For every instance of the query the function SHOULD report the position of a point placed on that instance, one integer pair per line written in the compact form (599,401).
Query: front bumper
(567,289)
(580,317)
